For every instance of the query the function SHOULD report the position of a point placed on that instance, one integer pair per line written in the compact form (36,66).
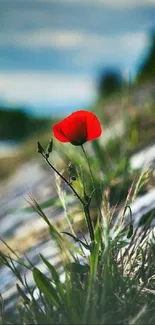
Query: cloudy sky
(51,51)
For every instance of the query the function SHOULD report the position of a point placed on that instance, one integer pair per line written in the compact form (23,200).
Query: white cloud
(59,39)
(70,40)
(52,38)
(125,3)
(31,88)
(90,50)
(134,41)
(111,50)
(44,38)
(117,4)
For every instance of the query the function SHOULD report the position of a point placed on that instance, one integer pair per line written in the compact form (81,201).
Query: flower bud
(40,148)
(49,148)
(73,178)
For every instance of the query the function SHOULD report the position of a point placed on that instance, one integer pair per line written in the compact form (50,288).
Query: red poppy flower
(78,128)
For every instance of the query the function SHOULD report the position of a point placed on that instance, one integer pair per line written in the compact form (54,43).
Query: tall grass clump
(107,275)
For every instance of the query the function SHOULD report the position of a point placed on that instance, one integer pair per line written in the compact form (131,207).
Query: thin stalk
(85,205)
(91,174)
(92,180)
(64,179)
(89,222)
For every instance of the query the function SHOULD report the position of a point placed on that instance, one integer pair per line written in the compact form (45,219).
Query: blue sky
(51,51)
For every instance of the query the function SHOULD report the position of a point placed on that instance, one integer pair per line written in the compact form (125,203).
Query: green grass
(113,285)
(108,280)
(114,281)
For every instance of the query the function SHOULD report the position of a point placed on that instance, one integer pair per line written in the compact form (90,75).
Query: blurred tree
(147,68)
(110,81)
(16,124)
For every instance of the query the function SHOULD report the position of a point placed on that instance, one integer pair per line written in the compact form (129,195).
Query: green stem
(91,174)
(92,180)
(85,205)
(64,179)
(89,221)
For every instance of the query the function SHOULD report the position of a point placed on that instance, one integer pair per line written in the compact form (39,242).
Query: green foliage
(46,287)
(147,68)
(16,124)
(110,82)
(113,285)
(108,280)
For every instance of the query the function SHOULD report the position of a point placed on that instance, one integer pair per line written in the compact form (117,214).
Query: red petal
(58,133)
(77,128)
(93,125)
(74,129)
(94,129)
